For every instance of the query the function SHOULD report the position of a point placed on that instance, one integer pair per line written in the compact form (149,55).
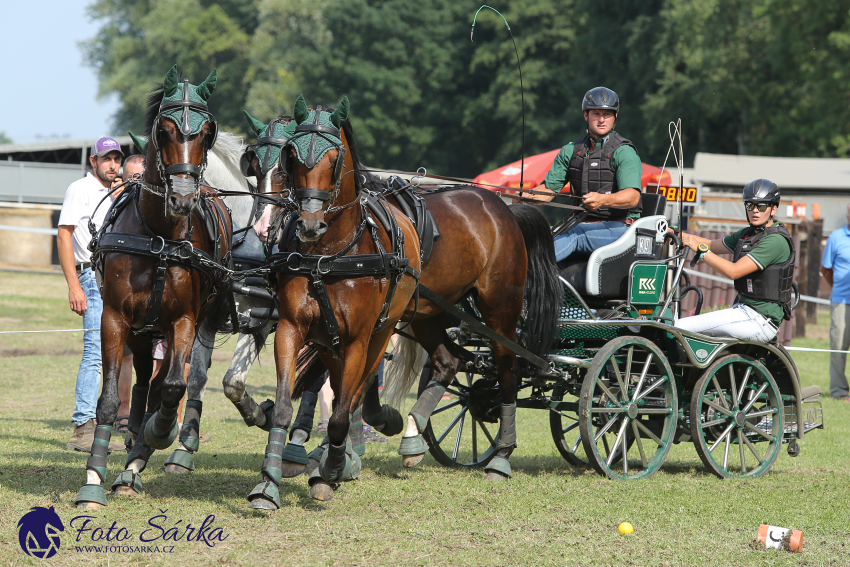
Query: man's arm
(827,275)
(65,244)
(623,199)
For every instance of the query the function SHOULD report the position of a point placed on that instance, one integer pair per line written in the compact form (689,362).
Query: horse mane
(154,100)
(359,174)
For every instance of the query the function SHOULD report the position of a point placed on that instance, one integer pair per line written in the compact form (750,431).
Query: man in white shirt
(81,200)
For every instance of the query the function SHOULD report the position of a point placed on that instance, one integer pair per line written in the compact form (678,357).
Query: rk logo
(646,284)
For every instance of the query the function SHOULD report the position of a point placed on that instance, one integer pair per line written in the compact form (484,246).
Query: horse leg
(247,349)
(142,346)
(295,458)
(180,460)
(114,334)
(266,495)
(383,418)
(445,363)
(161,430)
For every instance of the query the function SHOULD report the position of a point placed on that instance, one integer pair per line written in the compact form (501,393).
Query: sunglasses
(762,207)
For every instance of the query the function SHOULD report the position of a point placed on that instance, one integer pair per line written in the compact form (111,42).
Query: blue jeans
(88,377)
(587,237)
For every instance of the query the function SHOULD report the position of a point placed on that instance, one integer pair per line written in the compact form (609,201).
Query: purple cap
(105,145)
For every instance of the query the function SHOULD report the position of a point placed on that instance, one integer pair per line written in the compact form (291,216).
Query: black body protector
(592,171)
(772,283)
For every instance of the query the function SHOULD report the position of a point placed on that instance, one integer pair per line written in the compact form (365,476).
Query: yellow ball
(625,528)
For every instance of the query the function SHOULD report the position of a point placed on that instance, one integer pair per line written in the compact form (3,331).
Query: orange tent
(536,168)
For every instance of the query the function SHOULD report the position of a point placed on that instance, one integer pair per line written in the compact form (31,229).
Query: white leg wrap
(92,478)
(136,465)
(412,430)
(299,436)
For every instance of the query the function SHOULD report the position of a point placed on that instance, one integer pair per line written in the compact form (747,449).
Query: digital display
(689,195)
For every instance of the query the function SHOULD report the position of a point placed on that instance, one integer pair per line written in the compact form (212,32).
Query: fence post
(801,241)
(813,272)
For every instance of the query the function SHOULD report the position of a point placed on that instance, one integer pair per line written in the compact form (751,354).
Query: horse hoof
(311,466)
(410,461)
(291,470)
(322,491)
(89,506)
(124,491)
(174,468)
(494,476)
(262,504)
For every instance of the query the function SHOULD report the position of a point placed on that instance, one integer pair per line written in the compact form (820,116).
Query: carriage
(622,384)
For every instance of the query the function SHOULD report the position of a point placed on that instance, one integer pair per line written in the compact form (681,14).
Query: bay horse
(343,281)
(495,253)
(159,254)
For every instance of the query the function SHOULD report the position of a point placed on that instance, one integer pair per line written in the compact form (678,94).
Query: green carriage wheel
(737,418)
(455,438)
(628,404)
(565,432)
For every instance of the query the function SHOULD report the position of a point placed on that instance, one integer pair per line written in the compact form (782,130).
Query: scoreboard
(690,195)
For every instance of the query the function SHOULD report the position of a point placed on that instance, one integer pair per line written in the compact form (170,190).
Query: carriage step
(810,394)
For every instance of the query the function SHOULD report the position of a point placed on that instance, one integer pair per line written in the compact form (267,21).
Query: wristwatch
(703,249)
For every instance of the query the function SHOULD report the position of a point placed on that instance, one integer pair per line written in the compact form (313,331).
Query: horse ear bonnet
(173,92)
(141,144)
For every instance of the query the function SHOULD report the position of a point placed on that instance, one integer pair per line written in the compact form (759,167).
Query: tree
(140,40)
(4,139)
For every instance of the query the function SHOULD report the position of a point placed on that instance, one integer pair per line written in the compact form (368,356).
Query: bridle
(169,175)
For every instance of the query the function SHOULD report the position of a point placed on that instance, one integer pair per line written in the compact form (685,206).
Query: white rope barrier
(48,331)
(712,277)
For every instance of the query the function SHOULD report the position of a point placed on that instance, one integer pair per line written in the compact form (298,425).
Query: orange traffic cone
(780,538)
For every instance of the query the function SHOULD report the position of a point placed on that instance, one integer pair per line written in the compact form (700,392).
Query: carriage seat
(604,275)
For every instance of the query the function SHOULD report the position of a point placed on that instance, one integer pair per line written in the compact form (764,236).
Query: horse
(343,281)
(160,254)
(505,253)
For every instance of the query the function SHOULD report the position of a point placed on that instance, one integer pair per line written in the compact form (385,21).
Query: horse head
(318,150)
(266,160)
(181,133)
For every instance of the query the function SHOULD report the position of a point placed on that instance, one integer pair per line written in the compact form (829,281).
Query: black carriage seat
(604,275)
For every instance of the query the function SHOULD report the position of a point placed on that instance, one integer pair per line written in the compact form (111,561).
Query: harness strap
(327,311)
(157,291)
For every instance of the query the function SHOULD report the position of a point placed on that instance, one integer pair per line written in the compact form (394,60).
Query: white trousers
(741,321)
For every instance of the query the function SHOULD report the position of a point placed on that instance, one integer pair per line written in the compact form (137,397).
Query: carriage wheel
(566,434)
(455,438)
(736,406)
(628,393)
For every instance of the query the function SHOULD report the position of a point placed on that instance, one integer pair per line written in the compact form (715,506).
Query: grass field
(548,514)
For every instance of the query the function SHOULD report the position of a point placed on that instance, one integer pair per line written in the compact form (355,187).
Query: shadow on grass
(55,424)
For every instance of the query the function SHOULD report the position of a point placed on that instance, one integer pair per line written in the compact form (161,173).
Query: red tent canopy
(536,168)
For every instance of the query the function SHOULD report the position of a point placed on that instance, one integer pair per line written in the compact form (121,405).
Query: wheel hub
(740,418)
(632,410)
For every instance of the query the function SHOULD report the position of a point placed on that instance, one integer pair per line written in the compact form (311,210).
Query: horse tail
(308,368)
(403,371)
(543,290)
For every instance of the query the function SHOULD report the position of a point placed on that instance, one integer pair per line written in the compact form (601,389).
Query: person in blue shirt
(835,267)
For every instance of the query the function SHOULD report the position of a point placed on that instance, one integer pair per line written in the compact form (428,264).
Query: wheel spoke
(623,391)
(570,427)
(654,411)
(744,384)
(639,444)
(734,386)
(759,393)
(487,433)
(601,409)
(722,410)
(457,418)
(741,451)
(605,389)
(620,436)
(726,452)
(457,437)
(577,443)
(722,435)
(751,427)
(770,411)
(643,374)
(447,406)
(648,433)
(655,385)
(625,452)
(474,442)
(719,391)
(628,374)
(753,449)
(603,430)
(713,422)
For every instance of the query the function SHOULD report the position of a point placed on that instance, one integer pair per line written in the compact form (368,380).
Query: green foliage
(4,139)
(764,77)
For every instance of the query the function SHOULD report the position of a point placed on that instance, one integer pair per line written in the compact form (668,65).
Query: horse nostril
(321,227)
(300,225)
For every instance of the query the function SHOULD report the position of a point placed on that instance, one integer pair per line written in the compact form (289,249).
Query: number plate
(644,246)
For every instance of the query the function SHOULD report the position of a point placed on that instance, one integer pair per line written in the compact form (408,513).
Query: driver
(604,169)
(762,266)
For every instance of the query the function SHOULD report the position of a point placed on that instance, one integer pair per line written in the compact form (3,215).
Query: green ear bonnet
(318,131)
(271,138)
(186,104)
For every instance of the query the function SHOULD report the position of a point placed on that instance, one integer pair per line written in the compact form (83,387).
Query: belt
(83,266)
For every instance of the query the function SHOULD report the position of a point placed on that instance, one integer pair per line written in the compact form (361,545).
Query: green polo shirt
(772,249)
